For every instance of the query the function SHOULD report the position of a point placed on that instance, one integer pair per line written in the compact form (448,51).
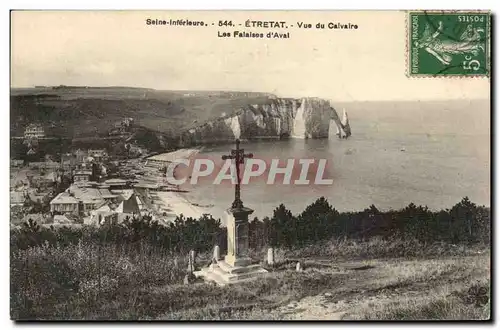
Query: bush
(81,273)
(464,223)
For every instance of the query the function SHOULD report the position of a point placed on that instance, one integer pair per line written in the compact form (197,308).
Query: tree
(62,184)
(317,221)
(463,215)
(283,225)
(257,234)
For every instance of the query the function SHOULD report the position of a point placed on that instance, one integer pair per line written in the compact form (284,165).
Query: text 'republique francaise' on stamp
(448,43)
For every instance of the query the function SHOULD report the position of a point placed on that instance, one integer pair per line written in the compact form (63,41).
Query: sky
(111,48)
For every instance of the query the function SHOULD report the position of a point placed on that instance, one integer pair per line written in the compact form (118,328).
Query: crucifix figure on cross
(239,156)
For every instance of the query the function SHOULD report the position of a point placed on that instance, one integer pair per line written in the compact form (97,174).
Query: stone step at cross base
(223,273)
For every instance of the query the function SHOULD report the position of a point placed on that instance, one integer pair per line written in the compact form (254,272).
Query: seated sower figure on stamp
(236,266)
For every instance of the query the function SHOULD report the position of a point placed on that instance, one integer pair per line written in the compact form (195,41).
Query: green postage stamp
(448,43)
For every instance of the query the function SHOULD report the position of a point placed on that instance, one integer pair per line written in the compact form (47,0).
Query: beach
(173,203)
(177,204)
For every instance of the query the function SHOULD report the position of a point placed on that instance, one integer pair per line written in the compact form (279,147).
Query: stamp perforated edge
(438,76)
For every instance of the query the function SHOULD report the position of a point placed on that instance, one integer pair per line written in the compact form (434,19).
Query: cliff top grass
(111,282)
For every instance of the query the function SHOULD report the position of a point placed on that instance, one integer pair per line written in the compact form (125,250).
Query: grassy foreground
(103,282)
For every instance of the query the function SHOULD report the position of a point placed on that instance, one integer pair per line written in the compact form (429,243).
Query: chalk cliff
(274,119)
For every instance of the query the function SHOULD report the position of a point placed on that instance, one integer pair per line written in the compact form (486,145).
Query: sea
(426,153)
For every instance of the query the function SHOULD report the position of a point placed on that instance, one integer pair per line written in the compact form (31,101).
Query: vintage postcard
(250,165)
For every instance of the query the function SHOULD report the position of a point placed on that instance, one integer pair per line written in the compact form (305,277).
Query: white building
(114,213)
(78,200)
(97,154)
(82,176)
(34,131)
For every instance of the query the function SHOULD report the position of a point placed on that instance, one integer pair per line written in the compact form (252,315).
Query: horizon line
(237,91)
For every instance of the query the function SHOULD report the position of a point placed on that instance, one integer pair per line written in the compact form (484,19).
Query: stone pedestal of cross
(236,266)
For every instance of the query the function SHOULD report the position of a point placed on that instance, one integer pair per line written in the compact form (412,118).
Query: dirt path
(382,283)
(324,307)
(314,308)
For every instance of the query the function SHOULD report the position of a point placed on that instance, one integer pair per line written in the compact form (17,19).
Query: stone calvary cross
(237,265)
(239,157)
(237,216)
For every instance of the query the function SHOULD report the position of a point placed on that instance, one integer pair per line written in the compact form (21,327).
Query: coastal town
(92,186)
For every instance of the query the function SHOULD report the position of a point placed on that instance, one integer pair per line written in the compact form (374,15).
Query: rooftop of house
(80,152)
(44,164)
(86,194)
(83,172)
(34,126)
(115,216)
(123,193)
(60,218)
(147,185)
(64,198)
(75,194)
(105,193)
(115,181)
(17,197)
(130,205)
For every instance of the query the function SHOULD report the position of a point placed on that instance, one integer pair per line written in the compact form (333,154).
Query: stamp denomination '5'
(448,43)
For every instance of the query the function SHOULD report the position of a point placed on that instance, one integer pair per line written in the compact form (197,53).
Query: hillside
(407,264)
(71,112)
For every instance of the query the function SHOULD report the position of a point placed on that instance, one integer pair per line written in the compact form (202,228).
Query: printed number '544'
(470,64)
